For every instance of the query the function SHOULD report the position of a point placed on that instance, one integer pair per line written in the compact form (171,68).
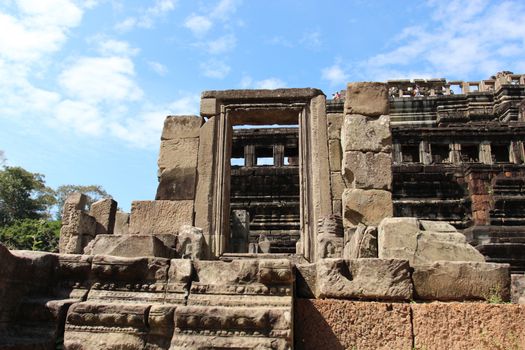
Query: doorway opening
(265,189)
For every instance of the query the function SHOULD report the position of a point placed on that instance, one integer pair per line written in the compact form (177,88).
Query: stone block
(368,170)
(366,206)
(206,169)
(406,238)
(372,279)
(190,242)
(360,242)
(121,223)
(209,107)
(468,326)
(130,246)
(459,281)
(104,212)
(160,217)
(342,324)
(360,133)
(367,98)
(76,231)
(335,121)
(178,153)
(335,155)
(177,184)
(91,326)
(305,280)
(337,207)
(517,287)
(181,127)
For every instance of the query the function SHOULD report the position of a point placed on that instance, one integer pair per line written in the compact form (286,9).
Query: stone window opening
(410,153)
(440,153)
(470,153)
(500,153)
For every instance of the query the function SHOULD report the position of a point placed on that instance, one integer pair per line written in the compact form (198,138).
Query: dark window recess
(500,153)
(470,153)
(264,156)
(440,153)
(291,156)
(410,153)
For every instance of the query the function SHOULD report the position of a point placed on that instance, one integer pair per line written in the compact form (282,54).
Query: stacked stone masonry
(357,223)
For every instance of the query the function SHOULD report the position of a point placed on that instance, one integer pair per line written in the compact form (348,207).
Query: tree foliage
(93,192)
(26,204)
(23,195)
(31,234)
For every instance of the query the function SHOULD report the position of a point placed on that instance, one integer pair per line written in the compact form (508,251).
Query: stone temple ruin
(285,220)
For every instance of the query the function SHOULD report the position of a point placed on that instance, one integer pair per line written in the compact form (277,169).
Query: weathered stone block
(305,280)
(366,206)
(368,170)
(517,287)
(360,133)
(121,223)
(130,246)
(181,127)
(104,212)
(209,107)
(468,326)
(337,185)
(335,155)
(160,217)
(375,279)
(177,184)
(458,280)
(190,242)
(367,98)
(101,326)
(405,238)
(178,153)
(360,242)
(342,324)
(335,121)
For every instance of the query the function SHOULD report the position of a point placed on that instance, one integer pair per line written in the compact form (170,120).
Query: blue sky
(85,85)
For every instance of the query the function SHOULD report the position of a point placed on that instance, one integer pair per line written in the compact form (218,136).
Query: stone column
(249,156)
(425,155)
(367,155)
(455,153)
(516,154)
(240,231)
(397,153)
(485,154)
(278,155)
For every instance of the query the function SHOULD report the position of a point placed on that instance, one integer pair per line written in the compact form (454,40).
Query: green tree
(31,234)
(23,195)
(94,193)
(2,158)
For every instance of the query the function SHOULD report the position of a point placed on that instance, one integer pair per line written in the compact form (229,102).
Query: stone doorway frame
(225,109)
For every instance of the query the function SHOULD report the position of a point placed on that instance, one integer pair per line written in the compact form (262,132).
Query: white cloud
(158,68)
(222,44)
(214,69)
(101,79)
(247,82)
(464,40)
(110,47)
(144,129)
(80,116)
(159,9)
(199,25)
(224,9)
(335,74)
(37,29)
(312,40)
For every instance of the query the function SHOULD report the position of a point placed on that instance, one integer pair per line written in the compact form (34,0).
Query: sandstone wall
(340,324)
